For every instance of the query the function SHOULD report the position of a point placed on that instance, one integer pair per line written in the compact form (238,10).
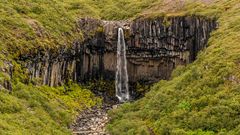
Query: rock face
(157,46)
(6,71)
(154,48)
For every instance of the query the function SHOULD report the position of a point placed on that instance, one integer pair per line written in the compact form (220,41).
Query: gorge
(61,71)
(152,49)
(120,67)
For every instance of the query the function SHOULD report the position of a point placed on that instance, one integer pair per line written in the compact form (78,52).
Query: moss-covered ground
(42,110)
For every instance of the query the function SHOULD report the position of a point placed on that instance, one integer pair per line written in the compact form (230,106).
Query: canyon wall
(157,46)
(154,48)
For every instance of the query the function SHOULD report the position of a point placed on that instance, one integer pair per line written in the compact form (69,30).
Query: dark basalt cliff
(154,48)
(157,46)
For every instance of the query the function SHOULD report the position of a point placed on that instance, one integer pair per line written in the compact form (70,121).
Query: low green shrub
(33,109)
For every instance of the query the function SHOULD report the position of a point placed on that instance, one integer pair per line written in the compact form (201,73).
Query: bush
(41,109)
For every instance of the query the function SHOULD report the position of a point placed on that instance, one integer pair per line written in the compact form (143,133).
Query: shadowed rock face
(157,46)
(154,48)
(6,70)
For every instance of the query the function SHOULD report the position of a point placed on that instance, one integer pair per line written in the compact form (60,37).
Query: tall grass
(42,110)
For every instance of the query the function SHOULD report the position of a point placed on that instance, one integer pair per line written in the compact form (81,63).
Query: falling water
(122,91)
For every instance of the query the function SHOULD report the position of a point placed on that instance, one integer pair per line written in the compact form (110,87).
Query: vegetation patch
(42,110)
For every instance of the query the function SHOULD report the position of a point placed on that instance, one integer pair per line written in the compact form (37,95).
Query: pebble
(92,121)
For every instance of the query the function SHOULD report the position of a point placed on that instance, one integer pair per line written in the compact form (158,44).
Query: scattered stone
(92,121)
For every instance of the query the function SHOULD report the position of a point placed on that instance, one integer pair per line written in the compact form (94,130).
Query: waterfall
(121,83)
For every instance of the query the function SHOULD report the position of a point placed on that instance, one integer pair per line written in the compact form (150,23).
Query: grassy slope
(41,110)
(28,24)
(202,98)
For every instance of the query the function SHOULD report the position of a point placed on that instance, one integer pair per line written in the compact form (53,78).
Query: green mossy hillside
(201,98)
(42,110)
(29,25)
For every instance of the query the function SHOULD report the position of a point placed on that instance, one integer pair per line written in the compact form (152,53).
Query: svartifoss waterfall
(122,91)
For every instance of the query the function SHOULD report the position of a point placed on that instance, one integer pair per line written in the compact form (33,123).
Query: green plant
(41,109)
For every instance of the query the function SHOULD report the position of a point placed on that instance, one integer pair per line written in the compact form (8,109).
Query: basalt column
(157,46)
(154,47)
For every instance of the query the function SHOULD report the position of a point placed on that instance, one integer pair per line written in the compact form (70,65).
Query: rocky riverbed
(92,121)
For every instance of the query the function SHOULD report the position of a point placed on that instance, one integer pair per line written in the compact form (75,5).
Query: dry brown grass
(172,6)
